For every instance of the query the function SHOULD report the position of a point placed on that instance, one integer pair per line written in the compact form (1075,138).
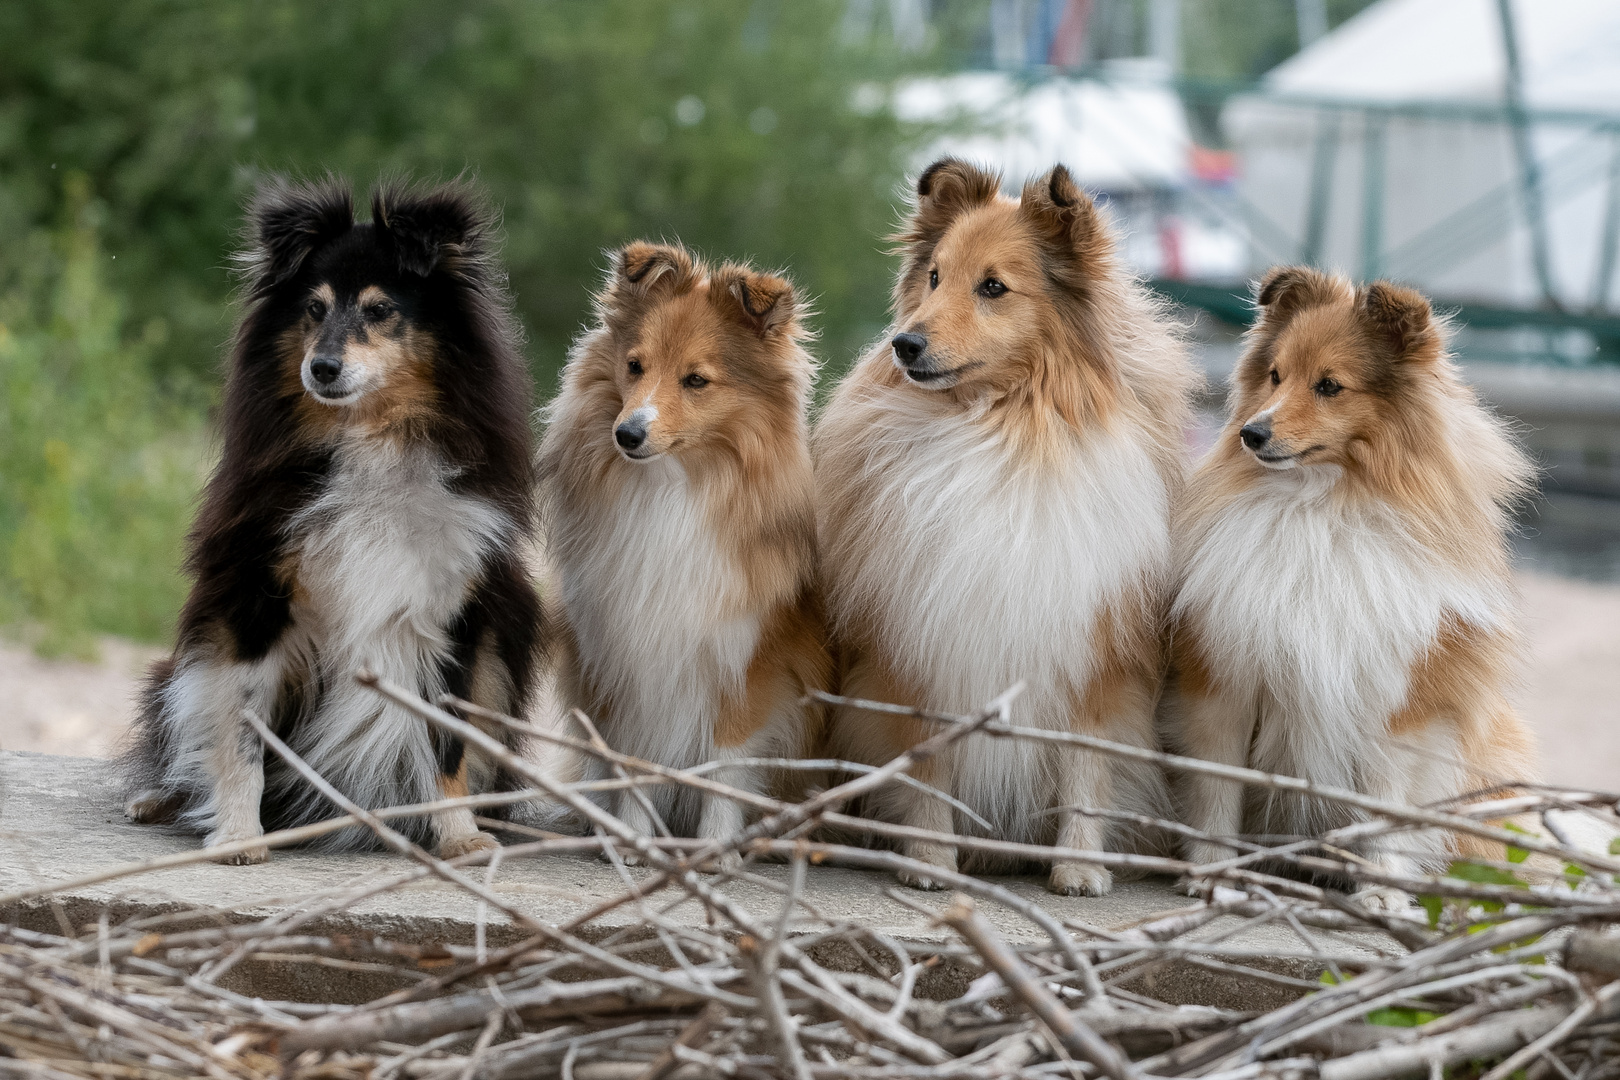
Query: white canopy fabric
(1125,134)
(1451,50)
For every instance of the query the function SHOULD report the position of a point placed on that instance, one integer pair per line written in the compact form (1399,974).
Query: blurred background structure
(1469,147)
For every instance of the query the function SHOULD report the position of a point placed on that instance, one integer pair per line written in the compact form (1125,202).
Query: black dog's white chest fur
(387,554)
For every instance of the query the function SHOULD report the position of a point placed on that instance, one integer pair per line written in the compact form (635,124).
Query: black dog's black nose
(908,347)
(325,369)
(629,435)
(1255,435)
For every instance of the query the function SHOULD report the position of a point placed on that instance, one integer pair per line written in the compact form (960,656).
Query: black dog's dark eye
(1328,388)
(694,381)
(316,309)
(933,279)
(378,312)
(1275,378)
(635,369)
(991,287)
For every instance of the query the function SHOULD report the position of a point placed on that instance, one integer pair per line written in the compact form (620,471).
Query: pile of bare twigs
(1507,966)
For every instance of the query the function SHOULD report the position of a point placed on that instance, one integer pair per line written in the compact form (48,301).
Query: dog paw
(1383,898)
(152,806)
(456,846)
(1080,879)
(918,880)
(1200,887)
(726,863)
(246,857)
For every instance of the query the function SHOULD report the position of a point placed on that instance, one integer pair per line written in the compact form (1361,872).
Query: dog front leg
(235,762)
(1084,779)
(1213,727)
(723,817)
(457,830)
(923,810)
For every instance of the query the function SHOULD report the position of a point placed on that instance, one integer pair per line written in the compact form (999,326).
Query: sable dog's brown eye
(1275,378)
(635,369)
(316,309)
(694,381)
(1327,388)
(933,279)
(991,288)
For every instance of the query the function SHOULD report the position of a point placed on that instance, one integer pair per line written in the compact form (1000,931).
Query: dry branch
(743,995)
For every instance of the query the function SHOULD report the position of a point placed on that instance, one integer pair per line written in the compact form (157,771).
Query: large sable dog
(995,484)
(681,518)
(1345,612)
(368,510)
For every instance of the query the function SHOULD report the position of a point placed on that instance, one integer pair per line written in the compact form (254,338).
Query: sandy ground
(1570,694)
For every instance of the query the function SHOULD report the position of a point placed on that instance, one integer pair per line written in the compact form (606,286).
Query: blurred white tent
(1410,143)
(1124,137)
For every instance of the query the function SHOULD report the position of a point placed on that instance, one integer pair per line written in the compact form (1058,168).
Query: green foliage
(1401,1016)
(97,467)
(1432,906)
(569,112)
(1516,854)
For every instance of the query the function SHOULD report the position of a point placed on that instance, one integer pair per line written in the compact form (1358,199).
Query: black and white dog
(370,509)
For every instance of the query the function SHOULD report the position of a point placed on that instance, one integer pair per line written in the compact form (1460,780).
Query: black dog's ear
(290,220)
(430,228)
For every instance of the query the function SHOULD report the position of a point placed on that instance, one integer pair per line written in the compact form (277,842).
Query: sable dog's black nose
(629,435)
(325,369)
(1255,435)
(908,347)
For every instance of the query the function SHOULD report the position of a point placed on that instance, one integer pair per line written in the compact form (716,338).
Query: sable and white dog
(1345,611)
(681,522)
(995,484)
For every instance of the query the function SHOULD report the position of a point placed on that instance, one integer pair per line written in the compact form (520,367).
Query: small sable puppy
(995,484)
(1345,611)
(681,521)
(369,508)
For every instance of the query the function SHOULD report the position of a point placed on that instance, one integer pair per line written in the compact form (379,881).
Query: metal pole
(1610,239)
(1372,195)
(1164,33)
(1529,169)
(1323,158)
(1310,20)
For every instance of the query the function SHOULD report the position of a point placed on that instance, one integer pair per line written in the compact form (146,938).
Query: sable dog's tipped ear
(644,269)
(1064,214)
(764,303)
(290,220)
(429,228)
(1287,290)
(1401,318)
(945,190)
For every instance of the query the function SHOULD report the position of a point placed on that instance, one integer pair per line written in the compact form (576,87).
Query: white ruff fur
(976,569)
(660,622)
(386,555)
(1311,611)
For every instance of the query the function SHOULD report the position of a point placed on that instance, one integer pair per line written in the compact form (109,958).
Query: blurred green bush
(98,467)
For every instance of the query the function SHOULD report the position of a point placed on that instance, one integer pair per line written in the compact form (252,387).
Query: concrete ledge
(60,818)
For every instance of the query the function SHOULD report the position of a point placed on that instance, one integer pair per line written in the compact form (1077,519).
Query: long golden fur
(1346,611)
(994,489)
(680,517)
